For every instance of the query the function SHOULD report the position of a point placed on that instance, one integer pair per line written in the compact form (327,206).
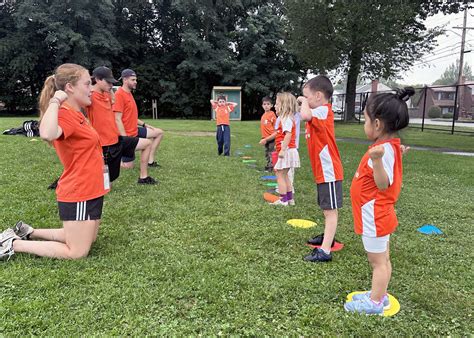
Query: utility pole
(459,106)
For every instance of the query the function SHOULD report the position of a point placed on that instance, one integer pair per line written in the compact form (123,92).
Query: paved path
(449,151)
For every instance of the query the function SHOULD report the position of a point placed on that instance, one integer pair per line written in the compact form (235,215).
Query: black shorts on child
(330,195)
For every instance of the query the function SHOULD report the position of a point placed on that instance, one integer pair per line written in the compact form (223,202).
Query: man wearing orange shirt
(102,118)
(126,116)
(223,110)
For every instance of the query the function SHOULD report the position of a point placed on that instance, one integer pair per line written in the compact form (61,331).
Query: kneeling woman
(84,181)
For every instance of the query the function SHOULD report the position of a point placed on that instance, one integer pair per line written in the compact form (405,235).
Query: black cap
(104,73)
(128,73)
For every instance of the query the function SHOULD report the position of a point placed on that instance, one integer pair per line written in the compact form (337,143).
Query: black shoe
(318,240)
(53,185)
(318,255)
(154,164)
(147,180)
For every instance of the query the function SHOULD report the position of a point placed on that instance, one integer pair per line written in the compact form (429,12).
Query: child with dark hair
(374,191)
(267,123)
(325,160)
(223,110)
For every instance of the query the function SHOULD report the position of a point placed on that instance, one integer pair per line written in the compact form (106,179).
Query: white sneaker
(7,235)
(6,249)
(291,202)
(279,202)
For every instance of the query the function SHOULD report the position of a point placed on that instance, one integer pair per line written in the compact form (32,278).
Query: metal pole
(455,105)
(424,108)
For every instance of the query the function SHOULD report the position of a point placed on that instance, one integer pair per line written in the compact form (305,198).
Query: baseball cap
(104,73)
(127,73)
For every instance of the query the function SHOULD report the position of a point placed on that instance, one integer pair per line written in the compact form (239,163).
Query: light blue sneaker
(364,305)
(385,300)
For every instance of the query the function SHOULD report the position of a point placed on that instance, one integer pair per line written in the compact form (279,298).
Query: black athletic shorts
(112,157)
(129,144)
(330,195)
(81,211)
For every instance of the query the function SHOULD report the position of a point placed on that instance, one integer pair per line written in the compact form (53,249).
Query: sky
(448,49)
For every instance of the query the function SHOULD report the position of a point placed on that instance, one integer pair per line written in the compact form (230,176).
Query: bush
(434,112)
(447,116)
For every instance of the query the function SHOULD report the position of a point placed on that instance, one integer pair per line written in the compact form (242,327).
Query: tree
(372,38)
(450,75)
(39,35)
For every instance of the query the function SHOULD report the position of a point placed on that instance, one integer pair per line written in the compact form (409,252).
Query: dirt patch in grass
(192,133)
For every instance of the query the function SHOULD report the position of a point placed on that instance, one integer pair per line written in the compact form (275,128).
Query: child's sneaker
(364,305)
(6,249)
(318,240)
(279,202)
(7,235)
(291,202)
(22,230)
(318,255)
(385,300)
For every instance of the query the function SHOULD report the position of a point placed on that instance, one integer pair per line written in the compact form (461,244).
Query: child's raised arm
(380,175)
(232,104)
(305,111)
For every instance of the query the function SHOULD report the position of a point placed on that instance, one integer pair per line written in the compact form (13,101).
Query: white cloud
(441,58)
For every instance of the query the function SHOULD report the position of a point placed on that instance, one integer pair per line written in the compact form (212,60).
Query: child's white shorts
(375,244)
(291,160)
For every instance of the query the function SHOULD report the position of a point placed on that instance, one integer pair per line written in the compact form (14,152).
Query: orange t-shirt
(267,123)
(223,113)
(125,103)
(79,151)
(102,118)
(285,126)
(322,148)
(373,210)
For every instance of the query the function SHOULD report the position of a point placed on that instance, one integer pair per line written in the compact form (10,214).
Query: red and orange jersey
(223,113)
(285,126)
(321,140)
(125,104)
(267,123)
(80,153)
(373,209)
(102,118)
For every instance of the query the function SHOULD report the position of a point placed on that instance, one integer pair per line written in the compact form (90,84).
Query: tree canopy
(180,49)
(370,39)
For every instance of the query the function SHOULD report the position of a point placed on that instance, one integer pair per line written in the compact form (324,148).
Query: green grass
(413,136)
(201,253)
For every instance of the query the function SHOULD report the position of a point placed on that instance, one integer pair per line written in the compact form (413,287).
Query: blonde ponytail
(49,88)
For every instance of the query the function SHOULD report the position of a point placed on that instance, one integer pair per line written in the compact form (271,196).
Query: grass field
(201,253)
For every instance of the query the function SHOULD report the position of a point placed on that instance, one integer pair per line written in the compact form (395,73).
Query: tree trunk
(354,70)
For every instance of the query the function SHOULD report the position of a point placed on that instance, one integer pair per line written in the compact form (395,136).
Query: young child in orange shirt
(223,110)
(325,160)
(374,191)
(267,123)
(285,144)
